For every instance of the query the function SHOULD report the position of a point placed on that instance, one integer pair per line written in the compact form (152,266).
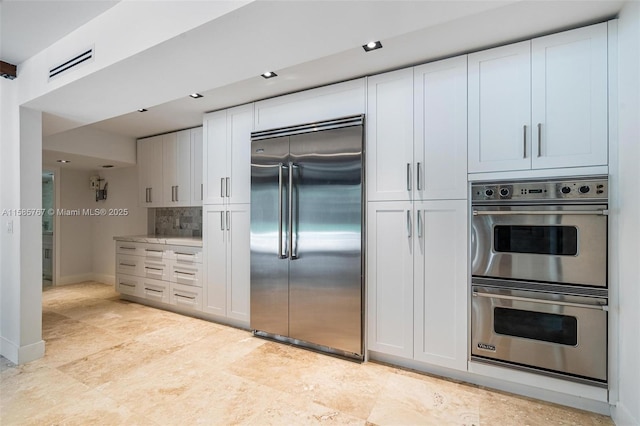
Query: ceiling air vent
(71,63)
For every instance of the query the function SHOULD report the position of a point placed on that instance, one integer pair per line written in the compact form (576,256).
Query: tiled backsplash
(179,221)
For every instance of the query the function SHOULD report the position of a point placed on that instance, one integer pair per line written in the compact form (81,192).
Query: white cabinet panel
(390,278)
(227,154)
(197,160)
(390,136)
(176,168)
(323,103)
(238,267)
(440,135)
(440,283)
(150,172)
(569,98)
(500,108)
(214,241)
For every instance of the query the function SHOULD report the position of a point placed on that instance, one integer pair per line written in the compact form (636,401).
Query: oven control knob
(488,192)
(504,192)
(565,190)
(584,189)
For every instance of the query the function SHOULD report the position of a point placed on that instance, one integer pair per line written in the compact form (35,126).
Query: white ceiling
(308,43)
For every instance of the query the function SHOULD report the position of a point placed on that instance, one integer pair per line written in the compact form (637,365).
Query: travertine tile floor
(110,362)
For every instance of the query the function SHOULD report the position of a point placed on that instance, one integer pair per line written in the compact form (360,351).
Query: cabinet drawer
(153,251)
(186,296)
(134,249)
(129,265)
(186,255)
(187,274)
(127,284)
(157,270)
(155,290)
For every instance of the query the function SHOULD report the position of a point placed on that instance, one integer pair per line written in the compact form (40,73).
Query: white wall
(122,194)
(74,233)
(627,412)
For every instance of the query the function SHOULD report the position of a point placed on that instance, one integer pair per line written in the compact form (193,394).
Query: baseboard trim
(75,279)
(21,354)
(104,279)
(622,416)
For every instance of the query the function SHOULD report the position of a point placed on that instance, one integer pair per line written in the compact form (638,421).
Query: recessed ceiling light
(269,74)
(107,166)
(372,45)
(63,161)
(142,110)
(196,95)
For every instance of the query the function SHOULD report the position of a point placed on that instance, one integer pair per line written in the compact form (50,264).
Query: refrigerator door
(269,264)
(325,267)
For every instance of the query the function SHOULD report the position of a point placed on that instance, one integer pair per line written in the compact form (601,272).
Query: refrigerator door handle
(281,254)
(292,255)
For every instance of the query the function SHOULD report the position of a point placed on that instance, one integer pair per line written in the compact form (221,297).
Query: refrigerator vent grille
(71,63)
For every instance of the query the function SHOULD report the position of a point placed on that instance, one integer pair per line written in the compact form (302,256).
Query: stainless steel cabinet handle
(186,297)
(540,213)
(127,264)
(154,250)
(173,193)
(408,176)
(228,220)
(177,193)
(419,220)
(539,139)
(127,284)
(408,223)
(185,273)
(127,248)
(153,269)
(150,195)
(222,187)
(281,255)
(524,141)
(222,221)
(153,290)
(185,254)
(547,302)
(201,191)
(228,186)
(418,177)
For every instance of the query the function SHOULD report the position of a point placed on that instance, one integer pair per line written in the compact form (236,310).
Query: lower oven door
(554,333)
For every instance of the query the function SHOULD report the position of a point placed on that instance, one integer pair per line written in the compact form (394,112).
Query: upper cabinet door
(440,133)
(176,168)
(239,126)
(390,168)
(215,157)
(197,188)
(569,98)
(500,109)
(150,171)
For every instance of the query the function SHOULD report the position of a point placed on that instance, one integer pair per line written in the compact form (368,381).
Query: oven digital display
(554,328)
(549,240)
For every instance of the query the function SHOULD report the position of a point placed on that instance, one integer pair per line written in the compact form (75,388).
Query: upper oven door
(557,244)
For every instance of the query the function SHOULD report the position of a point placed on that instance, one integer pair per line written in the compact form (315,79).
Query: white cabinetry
(416,250)
(540,104)
(163,274)
(227,246)
(170,169)
(227,155)
(149,161)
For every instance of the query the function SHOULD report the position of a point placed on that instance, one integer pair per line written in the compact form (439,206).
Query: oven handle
(540,212)
(548,302)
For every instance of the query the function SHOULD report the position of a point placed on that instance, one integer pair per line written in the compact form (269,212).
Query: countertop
(162,239)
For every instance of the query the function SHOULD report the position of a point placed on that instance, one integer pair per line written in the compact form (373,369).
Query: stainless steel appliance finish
(539,276)
(555,332)
(306,235)
(541,231)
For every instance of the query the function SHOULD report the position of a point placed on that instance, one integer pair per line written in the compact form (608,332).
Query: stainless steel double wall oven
(539,276)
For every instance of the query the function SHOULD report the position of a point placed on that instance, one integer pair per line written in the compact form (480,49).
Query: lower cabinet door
(127,284)
(215,236)
(390,236)
(440,283)
(186,296)
(238,265)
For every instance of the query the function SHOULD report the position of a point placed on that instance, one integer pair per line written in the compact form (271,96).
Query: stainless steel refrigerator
(306,235)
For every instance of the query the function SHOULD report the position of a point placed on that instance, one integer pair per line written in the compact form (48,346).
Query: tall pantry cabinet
(226,213)
(417,213)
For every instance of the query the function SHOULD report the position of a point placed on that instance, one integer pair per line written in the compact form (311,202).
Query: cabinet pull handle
(222,221)
(127,284)
(418,177)
(524,141)
(228,187)
(193,274)
(173,193)
(539,139)
(186,297)
(419,218)
(154,250)
(153,269)
(408,223)
(153,290)
(147,196)
(222,187)
(150,195)
(408,176)
(201,191)
(177,193)
(228,220)
(127,248)
(127,264)
(185,254)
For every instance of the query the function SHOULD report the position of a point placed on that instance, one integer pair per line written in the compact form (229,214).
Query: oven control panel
(576,189)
